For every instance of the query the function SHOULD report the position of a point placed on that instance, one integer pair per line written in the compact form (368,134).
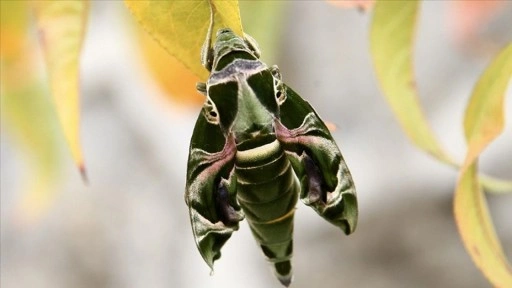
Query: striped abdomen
(267,190)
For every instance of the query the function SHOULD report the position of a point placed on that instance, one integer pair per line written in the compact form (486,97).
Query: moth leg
(334,206)
(228,210)
(314,192)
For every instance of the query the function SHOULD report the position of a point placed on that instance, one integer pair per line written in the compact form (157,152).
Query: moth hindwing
(256,148)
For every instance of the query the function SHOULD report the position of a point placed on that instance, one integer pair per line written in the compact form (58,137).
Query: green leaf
(61,29)
(181,26)
(391,39)
(483,122)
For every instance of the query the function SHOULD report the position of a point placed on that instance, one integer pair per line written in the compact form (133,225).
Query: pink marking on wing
(297,135)
(219,159)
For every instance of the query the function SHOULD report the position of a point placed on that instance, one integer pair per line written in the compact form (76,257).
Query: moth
(256,148)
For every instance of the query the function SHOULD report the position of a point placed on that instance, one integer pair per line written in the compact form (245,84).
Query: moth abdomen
(267,191)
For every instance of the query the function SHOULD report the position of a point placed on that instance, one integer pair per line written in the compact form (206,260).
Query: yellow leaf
(495,185)
(484,118)
(391,38)
(181,26)
(26,113)
(484,121)
(176,80)
(477,231)
(61,28)
(14,22)
(27,117)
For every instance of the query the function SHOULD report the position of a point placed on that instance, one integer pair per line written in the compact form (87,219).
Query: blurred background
(129,227)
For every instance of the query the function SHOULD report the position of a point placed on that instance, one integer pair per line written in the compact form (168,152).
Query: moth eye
(278,85)
(280,94)
(210,112)
(276,73)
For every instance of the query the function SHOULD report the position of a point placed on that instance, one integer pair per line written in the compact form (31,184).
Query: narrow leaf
(477,231)
(13,28)
(391,39)
(61,28)
(484,121)
(27,117)
(495,185)
(181,26)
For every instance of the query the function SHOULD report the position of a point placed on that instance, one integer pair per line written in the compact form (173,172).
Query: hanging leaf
(13,28)
(26,113)
(483,122)
(392,37)
(177,81)
(484,118)
(27,117)
(495,185)
(61,28)
(181,26)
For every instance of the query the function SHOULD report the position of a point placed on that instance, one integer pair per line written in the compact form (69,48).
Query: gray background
(130,227)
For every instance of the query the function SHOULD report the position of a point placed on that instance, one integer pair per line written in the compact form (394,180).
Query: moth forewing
(209,162)
(302,132)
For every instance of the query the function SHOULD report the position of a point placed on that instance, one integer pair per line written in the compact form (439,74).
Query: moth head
(229,46)
(246,105)
(243,94)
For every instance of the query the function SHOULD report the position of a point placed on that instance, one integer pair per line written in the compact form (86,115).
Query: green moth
(256,148)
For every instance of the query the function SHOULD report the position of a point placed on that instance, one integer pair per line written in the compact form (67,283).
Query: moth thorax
(253,120)
(257,148)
